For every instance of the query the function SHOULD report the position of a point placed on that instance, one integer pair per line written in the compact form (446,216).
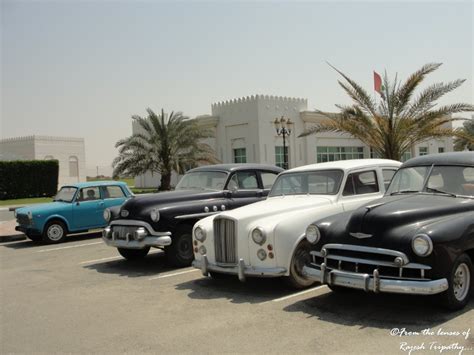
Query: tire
(54,232)
(133,254)
(300,258)
(180,252)
(34,238)
(460,284)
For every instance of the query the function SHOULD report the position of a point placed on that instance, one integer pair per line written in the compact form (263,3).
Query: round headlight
(262,254)
(202,250)
(312,234)
(422,245)
(107,214)
(200,234)
(155,215)
(258,236)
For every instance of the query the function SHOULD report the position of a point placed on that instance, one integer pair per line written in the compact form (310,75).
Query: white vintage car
(267,238)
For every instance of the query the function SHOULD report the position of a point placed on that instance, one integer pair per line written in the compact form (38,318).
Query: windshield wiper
(404,192)
(441,192)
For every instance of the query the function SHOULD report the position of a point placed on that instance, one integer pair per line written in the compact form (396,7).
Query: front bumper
(27,230)
(240,269)
(373,282)
(150,239)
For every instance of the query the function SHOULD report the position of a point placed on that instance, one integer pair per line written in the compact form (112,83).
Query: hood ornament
(360,235)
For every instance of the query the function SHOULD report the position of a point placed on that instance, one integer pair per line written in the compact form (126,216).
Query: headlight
(422,245)
(258,236)
(200,234)
(262,254)
(107,214)
(202,250)
(30,215)
(312,234)
(155,215)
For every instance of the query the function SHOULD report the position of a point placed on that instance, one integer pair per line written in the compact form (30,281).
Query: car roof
(454,158)
(347,164)
(236,167)
(81,185)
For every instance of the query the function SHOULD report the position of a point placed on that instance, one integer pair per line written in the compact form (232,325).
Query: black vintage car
(165,220)
(417,239)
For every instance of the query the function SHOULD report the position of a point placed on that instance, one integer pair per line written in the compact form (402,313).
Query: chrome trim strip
(371,250)
(132,222)
(149,241)
(196,215)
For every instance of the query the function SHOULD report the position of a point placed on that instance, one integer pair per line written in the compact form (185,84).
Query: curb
(12,238)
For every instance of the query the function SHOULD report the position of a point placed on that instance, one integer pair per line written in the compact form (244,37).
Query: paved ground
(5,215)
(81,297)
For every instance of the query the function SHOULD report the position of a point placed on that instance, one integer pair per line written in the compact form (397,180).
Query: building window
(406,156)
(324,154)
(440,149)
(73,167)
(423,151)
(280,158)
(240,155)
(48,157)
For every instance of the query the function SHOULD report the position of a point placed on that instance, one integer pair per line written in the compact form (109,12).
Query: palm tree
(466,138)
(165,144)
(400,120)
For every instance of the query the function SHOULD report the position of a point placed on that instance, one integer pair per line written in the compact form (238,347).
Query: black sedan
(165,220)
(417,239)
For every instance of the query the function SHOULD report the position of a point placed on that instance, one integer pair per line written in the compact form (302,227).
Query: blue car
(76,208)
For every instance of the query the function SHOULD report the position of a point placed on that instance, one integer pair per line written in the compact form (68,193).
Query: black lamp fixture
(283,128)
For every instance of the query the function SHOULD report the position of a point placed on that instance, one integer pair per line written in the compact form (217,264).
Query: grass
(25,201)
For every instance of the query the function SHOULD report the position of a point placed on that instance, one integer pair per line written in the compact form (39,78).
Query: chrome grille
(225,245)
(120,232)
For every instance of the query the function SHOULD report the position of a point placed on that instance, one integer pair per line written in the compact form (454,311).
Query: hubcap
(300,259)
(185,247)
(55,232)
(461,282)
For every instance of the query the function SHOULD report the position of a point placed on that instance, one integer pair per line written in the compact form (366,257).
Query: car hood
(43,207)
(277,207)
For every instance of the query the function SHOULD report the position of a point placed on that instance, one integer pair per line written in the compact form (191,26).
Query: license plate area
(351,280)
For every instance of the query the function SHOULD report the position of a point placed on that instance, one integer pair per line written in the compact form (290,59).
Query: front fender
(55,216)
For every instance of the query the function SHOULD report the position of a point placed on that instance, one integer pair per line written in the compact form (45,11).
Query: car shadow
(69,239)
(386,311)
(152,265)
(253,291)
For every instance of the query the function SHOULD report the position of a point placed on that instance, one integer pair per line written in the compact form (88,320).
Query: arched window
(73,166)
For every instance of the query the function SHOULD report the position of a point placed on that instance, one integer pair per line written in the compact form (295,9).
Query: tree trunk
(165,183)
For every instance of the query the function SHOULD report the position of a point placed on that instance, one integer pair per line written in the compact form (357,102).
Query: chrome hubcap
(55,232)
(461,282)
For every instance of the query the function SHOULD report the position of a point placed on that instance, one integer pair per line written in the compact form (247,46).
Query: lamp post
(283,128)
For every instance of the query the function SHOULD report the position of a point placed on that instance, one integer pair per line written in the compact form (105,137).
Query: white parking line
(68,247)
(298,294)
(173,274)
(103,259)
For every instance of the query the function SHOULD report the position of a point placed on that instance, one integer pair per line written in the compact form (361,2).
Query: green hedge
(28,178)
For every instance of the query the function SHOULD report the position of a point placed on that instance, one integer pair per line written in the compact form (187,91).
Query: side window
(387,176)
(89,194)
(113,192)
(361,183)
(243,181)
(268,179)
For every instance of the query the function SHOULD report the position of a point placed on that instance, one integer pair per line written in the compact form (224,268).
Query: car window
(324,182)
(112,192)
(89,194)
(387,176)
(202,180)
(360,183)
(268,179)
(243,180)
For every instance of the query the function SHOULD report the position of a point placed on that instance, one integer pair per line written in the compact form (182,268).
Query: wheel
(180,252)
(133,254)
(34,238)
(300,258)
(460,286)
(54,232)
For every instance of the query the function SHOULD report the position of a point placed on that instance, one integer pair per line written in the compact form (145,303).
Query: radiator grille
(225,241)
(22,219)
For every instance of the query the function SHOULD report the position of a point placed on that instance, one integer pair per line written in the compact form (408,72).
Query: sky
(83,68)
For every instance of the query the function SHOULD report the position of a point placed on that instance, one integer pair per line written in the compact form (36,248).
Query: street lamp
(283,128)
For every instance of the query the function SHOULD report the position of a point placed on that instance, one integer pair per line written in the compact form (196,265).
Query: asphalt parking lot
(82,297)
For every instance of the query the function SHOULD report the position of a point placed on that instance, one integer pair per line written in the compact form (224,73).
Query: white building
(245,133)
(69,152)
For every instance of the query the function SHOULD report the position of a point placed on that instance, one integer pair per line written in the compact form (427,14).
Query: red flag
(377,83)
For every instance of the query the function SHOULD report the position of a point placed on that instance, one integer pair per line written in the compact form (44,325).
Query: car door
(88,208)
(244,188)
(360,187)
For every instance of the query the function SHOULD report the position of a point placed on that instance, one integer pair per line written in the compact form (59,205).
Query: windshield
(66,194)
(323,182)
(202,180)
(451,180)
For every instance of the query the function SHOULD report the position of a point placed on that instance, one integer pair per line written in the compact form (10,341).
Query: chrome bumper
(373,282)
(240,269)
(151,239)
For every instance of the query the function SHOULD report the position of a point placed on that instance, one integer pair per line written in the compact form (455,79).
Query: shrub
(28,178)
